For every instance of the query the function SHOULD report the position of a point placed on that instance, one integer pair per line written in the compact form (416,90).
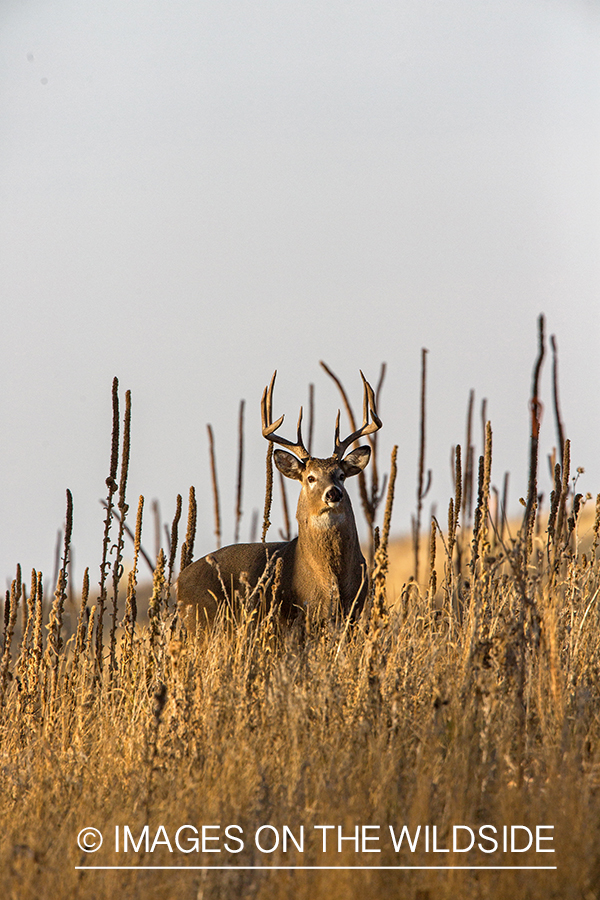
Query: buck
(322,571)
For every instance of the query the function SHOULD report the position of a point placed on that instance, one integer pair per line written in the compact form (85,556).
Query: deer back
(217,578)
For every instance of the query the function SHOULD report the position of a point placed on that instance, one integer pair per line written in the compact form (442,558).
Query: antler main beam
(340,447)
(269,427)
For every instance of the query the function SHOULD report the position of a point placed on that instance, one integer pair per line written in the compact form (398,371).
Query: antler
(340,447)
(269,427)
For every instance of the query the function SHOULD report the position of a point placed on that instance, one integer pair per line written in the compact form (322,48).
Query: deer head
(322,480)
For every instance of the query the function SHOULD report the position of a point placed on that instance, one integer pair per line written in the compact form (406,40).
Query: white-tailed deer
(322,571)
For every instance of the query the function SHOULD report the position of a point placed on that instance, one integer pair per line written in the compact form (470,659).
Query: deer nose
(333,495)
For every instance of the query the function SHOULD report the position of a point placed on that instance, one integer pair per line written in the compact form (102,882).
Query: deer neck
(328,542)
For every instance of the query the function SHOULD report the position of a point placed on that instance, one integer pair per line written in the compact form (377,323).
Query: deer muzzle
(333,496)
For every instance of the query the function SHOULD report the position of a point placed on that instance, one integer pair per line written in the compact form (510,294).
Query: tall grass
(472,699)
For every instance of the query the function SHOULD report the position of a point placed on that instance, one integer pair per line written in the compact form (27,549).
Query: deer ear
(289,465)
(356,461)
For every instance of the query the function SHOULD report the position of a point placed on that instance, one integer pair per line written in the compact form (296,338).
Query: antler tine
(269,427)
(270,396)
(366,387)
(367,427)
(266,406)
(336,438)
(299,440)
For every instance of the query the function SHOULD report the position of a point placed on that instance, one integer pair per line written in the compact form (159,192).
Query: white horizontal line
(326,868)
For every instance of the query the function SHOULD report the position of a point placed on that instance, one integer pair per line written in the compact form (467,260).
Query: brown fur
(323,569)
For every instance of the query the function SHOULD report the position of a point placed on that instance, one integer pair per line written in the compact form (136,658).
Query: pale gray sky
(195,193)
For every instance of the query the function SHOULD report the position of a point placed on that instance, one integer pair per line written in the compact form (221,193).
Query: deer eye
(311,479)
(342,476)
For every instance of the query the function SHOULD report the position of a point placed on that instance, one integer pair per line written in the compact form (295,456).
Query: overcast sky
(196,193)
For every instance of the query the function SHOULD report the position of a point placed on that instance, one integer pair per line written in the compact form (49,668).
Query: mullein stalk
(187,549)
(268,493)
(381,560)
(215,485)
(123,509)
(240,474)
(105,565)
(12,599)
(173,542)
(131,601)
(536,413)
(54,646)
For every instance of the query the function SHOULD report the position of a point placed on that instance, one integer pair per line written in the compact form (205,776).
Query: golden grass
(414,718)
(470,699)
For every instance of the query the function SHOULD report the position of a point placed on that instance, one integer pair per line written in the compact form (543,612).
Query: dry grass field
(464,709)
